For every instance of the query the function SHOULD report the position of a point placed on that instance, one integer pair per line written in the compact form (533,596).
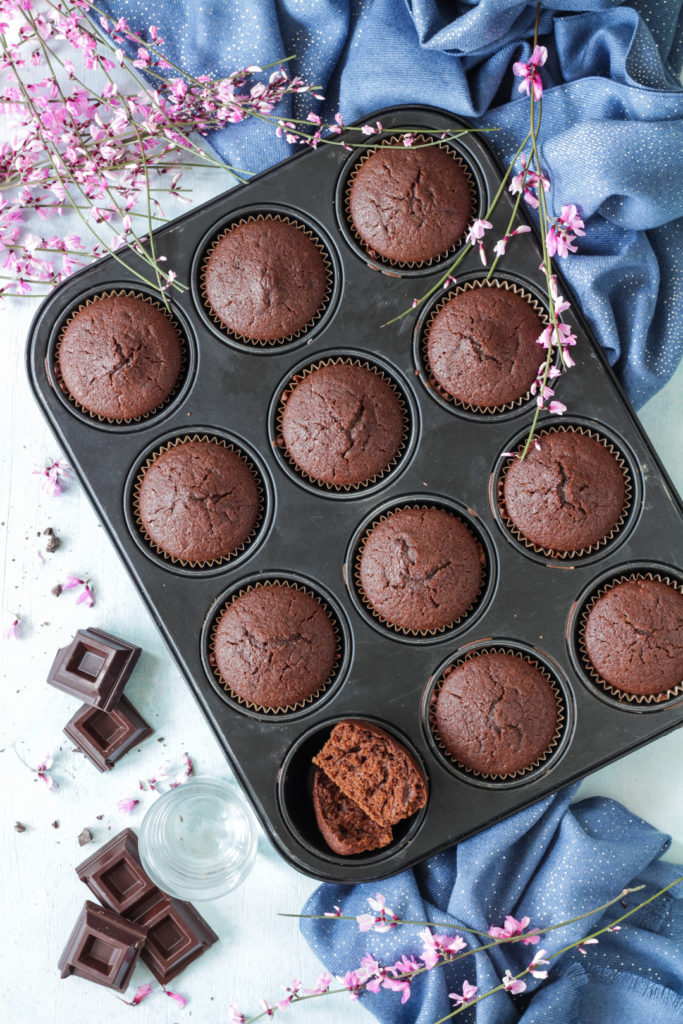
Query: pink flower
(401,985)
(557,408)
(180,1000)
(475,235)
(586,942)
(141,994)
(42,771)
(512,925)
(408,139)
(321,986)
(236,1016)
(12,631)
(337,912)
(513,985)
(468,993)
(353,983)
(127,804)
(531,80)
(267,1008)
(86,596)
(293,993)
(185,774)
(528,181)
(51,476)
(571,219)
(536,962)
(384,920)
(438,946)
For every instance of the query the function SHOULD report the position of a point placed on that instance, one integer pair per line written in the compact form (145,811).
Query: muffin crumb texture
(634,637)
(342,424)
(374,770)
(346,828)
(120,357)
(496,713)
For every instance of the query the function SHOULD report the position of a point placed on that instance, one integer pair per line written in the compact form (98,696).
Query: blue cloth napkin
(612,134)
(549,862)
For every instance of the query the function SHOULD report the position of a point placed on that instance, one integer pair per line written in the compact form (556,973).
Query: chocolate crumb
(85,837)
(99,817)
(56,590)
(55,824)
(19,826)
(53,540)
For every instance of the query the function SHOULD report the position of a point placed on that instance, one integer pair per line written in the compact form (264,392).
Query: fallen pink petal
(141,993)
(127,804)
(181,1001)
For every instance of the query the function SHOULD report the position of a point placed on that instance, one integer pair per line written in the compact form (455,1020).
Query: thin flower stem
(428,924)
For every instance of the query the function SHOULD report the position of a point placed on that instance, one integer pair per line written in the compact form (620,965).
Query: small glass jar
(198,841)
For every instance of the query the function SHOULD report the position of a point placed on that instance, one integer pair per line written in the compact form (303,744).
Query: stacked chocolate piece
(95,667)
(138,919)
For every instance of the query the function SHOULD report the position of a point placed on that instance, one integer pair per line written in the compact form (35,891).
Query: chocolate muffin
(496,713)
(481,346)
(342,424)
(343,825)
(119,357)
(374,770)
(265,279)
(198,501)
(275,646)
(634,636)
(421,569)
(566,496)
(410,205)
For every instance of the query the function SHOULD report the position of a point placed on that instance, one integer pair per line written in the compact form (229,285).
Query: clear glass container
(198,841)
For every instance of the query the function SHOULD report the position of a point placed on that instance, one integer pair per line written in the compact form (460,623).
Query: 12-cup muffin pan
(309,535)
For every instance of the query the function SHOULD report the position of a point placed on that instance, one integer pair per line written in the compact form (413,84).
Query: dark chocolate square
(95,667)
(114,874)
(105,736)
(103,947)
(176,936)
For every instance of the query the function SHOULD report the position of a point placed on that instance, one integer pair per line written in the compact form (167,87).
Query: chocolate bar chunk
(103,947)
(95,667)
(105,736)
(176,934)
(116,876)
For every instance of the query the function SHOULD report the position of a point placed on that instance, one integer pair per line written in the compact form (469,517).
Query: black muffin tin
(309,534)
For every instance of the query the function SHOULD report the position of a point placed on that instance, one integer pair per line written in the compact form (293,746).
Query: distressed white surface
(41,895)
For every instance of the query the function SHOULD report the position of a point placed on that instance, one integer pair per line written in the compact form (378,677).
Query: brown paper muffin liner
(272,343)
(467,287)
(508,776)
(380,618)
(549,552)
(242,701)
(341,361)
(136,501)
(622,695)
(134,419)
(410,264)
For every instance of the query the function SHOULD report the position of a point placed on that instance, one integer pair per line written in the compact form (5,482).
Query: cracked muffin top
(481,346)
(274,646)
(198,501)
(496,713)
(566,496)
(265,279)
(634,636)
(421,569)
(342,424)
(410,205)
(120,357)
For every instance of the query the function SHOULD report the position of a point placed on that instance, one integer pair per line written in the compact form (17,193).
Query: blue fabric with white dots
(550,862)
(612,133)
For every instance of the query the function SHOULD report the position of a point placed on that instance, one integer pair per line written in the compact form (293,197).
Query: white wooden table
(41,895)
